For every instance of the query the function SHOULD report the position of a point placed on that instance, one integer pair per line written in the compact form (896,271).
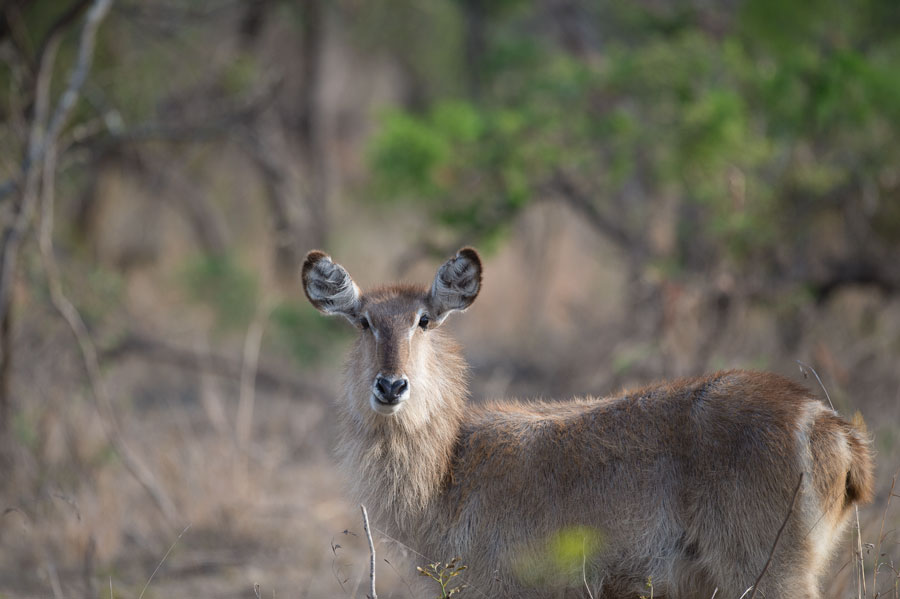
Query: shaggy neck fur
(398,464)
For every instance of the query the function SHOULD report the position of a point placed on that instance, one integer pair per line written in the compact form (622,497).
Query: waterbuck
(680,486)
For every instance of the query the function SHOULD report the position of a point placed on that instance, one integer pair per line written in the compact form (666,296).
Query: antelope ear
(456,284)
(329,287)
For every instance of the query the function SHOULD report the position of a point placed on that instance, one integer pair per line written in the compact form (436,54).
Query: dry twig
(47,156)
(803,368)
(860,561)
(252,342)
(365,516)
(88,350)
(29,178)
(881,533)
(778,537)
(163,560)
(149,348)
(584,570)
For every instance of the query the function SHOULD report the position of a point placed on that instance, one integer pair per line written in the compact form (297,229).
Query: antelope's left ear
(456,284)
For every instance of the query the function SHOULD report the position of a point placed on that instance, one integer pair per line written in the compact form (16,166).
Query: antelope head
(396,354)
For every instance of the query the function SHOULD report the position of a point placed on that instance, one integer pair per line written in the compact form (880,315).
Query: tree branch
(60,25)
(28,178)
(42,149)
(42,137)
(365,515)
(565,189)
(249,366)
(220,124)
(281,198)
(62,304)
(44,133)
(777,537)
(216,364)
(88,350)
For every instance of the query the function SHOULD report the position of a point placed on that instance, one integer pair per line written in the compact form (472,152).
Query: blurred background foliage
(660,188)
(762,124)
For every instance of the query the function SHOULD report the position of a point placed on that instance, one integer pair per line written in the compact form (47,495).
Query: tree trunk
(310,129)
(475,45)
(6,356)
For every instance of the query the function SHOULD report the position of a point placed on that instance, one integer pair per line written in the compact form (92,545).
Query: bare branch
(214,124)
(162,561)
(584,570)
(881,532)
(252,341)
(79,74)
(60,25)
(43,134)
(777,537)
(42,137)
(161,351)
(365,516)
(73,318)
(276,179)
(29,178)
(566,189)
(860,559)
(42,148)
(813,370)
(53,575)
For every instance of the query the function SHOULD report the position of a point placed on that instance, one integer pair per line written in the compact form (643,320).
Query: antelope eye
(364,323)
(423,322)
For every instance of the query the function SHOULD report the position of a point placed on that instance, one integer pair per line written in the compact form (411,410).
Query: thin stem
(777,537)
(365,516)
(249,367)
(584,570)
(816,374)
(162,561)
(881,533)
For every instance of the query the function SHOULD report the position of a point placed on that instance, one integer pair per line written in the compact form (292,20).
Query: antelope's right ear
(328,286)
(456,284)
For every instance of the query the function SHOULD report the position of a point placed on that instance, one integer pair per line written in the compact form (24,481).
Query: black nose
(389,390)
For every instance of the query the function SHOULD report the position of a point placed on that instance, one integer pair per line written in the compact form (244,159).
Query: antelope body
(684,484)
